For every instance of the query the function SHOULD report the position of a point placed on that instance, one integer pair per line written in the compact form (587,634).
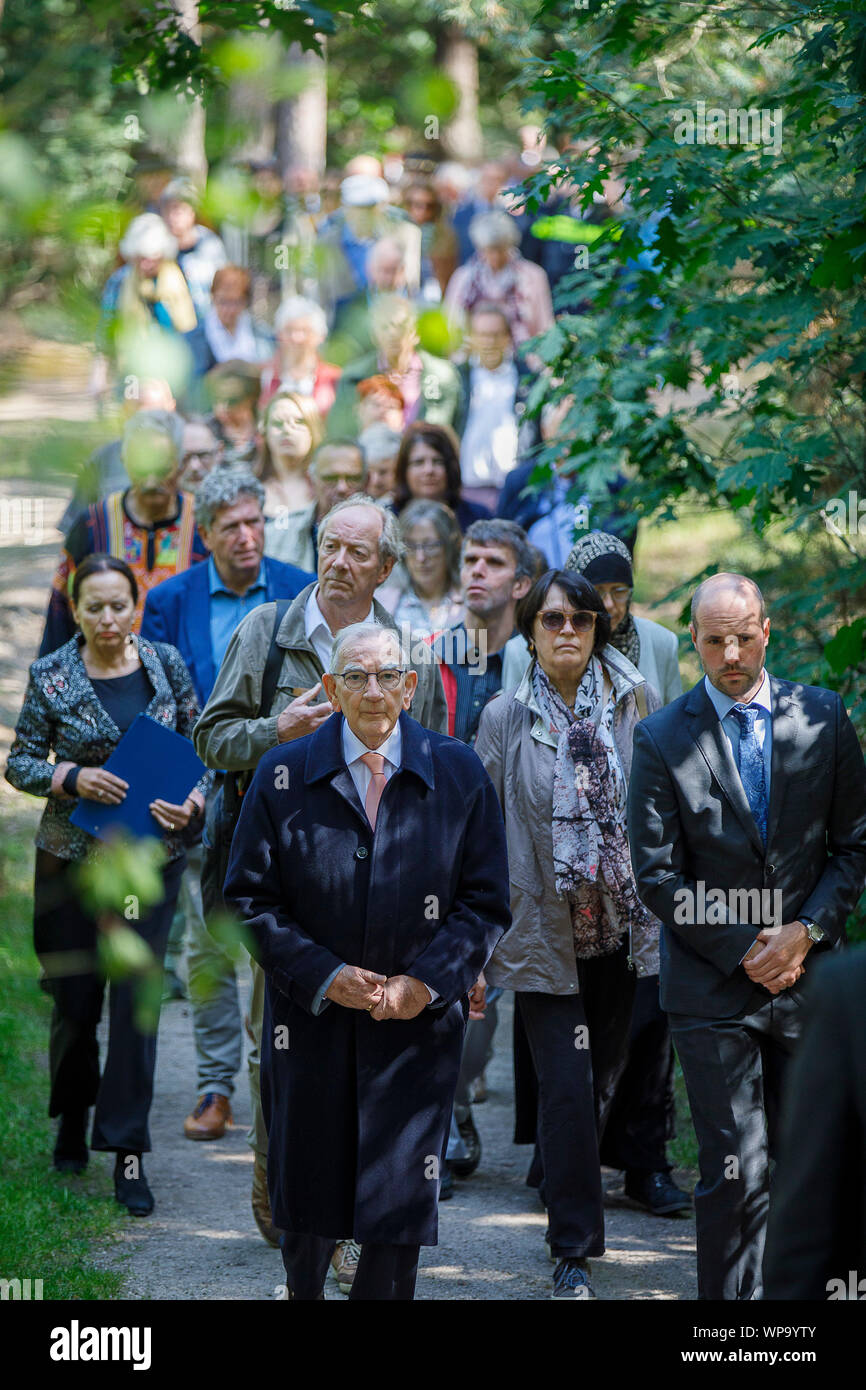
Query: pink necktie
(376,764)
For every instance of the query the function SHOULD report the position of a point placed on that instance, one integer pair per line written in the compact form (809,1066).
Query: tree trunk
(191,158)
(302,120)
(458,58)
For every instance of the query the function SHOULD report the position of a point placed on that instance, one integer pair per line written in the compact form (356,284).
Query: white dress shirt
(227,346)
(354,749)
(318,633)
(489,447)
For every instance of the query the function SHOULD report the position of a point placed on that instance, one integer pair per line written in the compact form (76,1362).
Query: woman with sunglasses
(558,750)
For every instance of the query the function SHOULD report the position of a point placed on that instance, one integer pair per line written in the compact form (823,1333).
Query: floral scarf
(626,639)
(590,851)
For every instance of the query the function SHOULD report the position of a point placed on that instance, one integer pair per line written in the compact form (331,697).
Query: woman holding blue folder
(80,701)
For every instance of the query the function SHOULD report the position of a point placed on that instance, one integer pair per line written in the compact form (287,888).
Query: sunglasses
(553,620)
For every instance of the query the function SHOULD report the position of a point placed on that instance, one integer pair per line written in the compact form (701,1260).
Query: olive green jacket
(230,733)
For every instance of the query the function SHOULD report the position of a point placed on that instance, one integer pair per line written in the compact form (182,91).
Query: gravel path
(201,1242)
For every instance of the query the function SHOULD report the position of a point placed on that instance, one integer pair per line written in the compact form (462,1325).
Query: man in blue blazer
(369,861)
(197,612)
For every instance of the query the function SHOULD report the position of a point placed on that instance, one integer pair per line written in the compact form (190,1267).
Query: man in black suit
(747,826)
(816,1238)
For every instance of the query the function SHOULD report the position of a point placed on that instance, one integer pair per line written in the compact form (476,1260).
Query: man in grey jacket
(359,544)
(747,827)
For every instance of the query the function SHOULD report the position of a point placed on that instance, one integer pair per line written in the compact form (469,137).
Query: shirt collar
(391,749)
(217,585)
(723,704)
(314,618)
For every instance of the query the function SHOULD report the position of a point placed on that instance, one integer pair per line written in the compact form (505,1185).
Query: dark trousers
(733,1069)
(578,1047)
(641,1118)
(65,939)
(384,1271)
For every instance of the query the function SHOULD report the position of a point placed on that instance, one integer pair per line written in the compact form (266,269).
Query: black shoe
(70,1149)
(657,1192)
(571,1280)
(132,1192)
(446,1183)
(465,1167)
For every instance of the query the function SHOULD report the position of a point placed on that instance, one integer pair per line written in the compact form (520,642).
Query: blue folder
(158,764)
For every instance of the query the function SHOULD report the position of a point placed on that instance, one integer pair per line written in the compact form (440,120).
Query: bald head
(730,631)
(727,585)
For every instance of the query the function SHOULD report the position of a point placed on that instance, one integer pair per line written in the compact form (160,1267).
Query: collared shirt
(474,686)
(353,751)
(227,346)
(227,608)
(489,447)
(318,633)
(723,704)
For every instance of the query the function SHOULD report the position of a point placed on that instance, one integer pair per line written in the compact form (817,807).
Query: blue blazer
(178,611)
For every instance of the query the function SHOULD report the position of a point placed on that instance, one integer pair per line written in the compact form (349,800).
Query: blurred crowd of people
(327,426)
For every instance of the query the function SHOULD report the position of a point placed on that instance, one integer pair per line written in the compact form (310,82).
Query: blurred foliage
(723,351)
(120,883)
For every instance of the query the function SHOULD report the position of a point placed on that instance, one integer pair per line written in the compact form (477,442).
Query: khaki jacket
(519,753)
(231,735)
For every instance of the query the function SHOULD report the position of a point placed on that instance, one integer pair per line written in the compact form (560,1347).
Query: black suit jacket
(689,822)
(817,1228)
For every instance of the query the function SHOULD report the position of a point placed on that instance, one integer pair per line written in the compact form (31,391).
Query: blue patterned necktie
(751,761)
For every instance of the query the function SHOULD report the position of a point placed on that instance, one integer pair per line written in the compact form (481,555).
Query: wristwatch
(813,931)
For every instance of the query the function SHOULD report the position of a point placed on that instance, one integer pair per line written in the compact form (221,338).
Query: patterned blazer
(63,713)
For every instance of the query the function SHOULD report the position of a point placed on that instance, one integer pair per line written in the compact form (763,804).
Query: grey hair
(731,581)
(221,488)
(379,442)
(166,422)
(148,236)
(493,229)
(357,632)
(297,307)
(391,545)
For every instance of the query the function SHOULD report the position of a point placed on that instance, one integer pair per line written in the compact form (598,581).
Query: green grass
(52,1227)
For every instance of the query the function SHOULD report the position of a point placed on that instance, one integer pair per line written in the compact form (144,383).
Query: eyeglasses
(352,479)
(619,592)
(424,547)
(553,620)
(356,681)
(203,456)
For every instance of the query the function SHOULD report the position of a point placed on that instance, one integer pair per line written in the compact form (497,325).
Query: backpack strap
(273,665)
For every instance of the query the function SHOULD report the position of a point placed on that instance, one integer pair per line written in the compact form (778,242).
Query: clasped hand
(776,959)
(401,996)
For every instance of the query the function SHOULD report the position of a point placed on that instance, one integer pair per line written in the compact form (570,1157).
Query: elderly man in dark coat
(369,861)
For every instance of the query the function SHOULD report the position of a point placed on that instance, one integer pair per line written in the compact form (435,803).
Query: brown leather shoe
(210,1117)
(262,1204)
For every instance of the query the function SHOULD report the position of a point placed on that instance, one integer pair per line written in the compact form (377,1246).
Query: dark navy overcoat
(358,1111)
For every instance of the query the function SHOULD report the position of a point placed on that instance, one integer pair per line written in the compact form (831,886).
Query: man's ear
(694,635)
(410,685)
(520,588)
(385,570)
(330,688)
(205,535)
